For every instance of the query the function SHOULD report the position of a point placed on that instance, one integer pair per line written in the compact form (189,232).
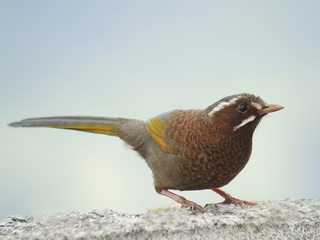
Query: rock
(287,219)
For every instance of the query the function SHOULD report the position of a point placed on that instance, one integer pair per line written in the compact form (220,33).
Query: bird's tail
(102,125)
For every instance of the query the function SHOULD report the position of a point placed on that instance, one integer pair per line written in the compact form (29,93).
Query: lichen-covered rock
(287,219)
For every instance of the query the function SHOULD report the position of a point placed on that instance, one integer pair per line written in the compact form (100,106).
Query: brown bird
(185,149)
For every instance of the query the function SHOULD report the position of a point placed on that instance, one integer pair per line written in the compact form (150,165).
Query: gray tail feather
(103,125)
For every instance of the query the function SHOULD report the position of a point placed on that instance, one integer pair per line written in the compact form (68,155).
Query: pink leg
(229,199)
(181,200)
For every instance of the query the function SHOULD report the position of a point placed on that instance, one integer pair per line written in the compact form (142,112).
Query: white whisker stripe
(244,122)
(222,105)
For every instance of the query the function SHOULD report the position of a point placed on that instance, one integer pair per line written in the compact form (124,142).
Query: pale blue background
(140,58)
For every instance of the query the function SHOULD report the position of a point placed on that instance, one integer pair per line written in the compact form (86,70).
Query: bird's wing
(155,127)
(179,132)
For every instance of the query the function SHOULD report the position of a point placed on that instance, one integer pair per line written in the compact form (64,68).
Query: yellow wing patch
(155,128)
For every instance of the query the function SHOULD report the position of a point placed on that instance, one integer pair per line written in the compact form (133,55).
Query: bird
(186,150)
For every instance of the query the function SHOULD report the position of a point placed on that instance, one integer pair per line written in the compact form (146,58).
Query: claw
(183,201)
(229,199)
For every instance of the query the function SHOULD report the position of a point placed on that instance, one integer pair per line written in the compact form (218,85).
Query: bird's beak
(270,108)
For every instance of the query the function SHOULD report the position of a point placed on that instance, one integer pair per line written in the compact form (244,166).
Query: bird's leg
(181,200)
(229,199)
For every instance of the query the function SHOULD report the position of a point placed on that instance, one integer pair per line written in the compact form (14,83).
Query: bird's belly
(211,171)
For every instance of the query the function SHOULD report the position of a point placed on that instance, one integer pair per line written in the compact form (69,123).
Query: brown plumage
(185,149)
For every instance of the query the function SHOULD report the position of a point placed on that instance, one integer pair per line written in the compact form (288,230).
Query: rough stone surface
(287,219)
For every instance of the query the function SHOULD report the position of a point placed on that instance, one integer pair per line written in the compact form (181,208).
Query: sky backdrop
(136,59)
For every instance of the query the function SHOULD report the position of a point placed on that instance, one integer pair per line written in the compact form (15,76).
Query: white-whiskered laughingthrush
(185,149)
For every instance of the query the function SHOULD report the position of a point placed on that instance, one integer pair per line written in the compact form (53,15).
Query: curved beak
(270,108)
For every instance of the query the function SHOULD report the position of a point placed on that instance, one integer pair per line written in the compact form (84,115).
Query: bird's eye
(242,108)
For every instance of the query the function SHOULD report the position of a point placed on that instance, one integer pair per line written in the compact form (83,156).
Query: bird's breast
(208,165)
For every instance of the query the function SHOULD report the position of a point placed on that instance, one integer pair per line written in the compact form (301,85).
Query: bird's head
(239,112)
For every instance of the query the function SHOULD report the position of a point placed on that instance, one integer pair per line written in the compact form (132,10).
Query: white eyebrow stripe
(257,105)
(244,122)
(222,105)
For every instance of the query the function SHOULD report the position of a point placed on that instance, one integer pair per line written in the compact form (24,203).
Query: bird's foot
(229,199)
(183,201)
